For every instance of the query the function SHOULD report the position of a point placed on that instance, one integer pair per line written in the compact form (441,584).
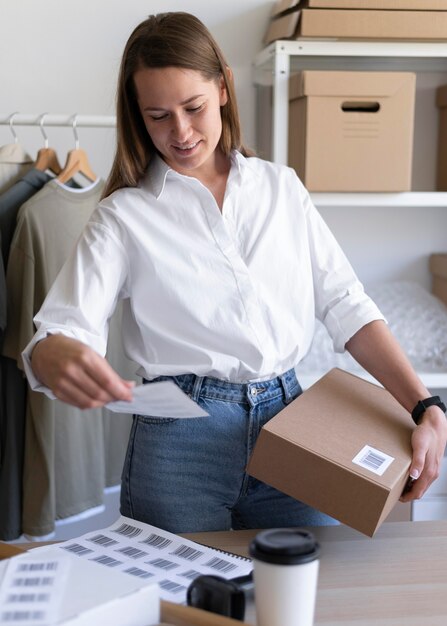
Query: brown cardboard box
(438,269)
(309,450)
(359,24)
(282,6)
(385,5)
(352,131)
(441,174)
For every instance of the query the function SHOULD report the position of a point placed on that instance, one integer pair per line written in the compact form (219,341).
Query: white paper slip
(163,399)
(31,590)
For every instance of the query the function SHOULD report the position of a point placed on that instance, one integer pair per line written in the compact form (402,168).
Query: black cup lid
(284,546)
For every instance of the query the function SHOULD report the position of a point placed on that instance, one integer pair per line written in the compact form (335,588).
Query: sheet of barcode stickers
(32,589)
(146,551)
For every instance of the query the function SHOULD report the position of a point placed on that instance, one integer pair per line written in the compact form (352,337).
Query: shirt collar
(158,171)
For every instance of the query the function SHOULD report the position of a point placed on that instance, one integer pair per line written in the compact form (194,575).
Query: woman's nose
(181,128)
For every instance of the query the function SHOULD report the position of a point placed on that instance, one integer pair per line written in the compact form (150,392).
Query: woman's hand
(428,442)
(76,374)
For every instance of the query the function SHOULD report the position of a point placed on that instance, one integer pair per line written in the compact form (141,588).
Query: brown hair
(174,39)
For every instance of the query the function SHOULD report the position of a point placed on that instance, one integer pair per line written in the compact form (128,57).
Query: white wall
(63,58)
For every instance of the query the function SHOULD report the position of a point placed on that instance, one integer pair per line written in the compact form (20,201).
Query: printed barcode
(156,541)
(168,585)
(106,560)
(128,530)
(136,571)
(373,460)
(190,574)
(76,548)
(134,553)
(37,567)
(33,582)
(21,616)
(221,565)
(102,540)
(163,564)
(28,597)
(186,552)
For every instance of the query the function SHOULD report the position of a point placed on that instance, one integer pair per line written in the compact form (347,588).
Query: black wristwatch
(422,405)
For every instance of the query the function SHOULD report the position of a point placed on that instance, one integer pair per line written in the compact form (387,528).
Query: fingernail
(414,474)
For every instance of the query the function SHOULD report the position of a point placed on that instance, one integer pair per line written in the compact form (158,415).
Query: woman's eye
(157,118)
(195,109)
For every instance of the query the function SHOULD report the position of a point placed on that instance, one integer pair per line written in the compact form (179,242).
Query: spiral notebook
(156,555)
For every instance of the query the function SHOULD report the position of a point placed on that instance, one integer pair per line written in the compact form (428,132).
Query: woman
(223,264)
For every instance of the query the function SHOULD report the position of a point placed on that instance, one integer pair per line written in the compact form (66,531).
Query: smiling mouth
(187,148)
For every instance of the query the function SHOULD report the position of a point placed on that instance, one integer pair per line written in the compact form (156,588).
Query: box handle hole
(360,107)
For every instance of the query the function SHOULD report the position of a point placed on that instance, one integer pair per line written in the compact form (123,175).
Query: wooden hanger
(47,160)
(77,162)
(47,157)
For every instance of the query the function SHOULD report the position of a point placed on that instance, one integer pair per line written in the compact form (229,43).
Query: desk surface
(396,578)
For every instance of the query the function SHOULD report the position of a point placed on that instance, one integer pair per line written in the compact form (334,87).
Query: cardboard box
(327,447)
(441,172)
(359,24)
(385,5)
(96,594)
(352,131)
(438,269)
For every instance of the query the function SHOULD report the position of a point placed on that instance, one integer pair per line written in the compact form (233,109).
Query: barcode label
(190,574)
(128,530)
(170,586)
(133,553)
(37,567)
(187,552)
(76,548)
(107,560)
(45,581)
(373,460)
(28,597)
(136,571)
(103,540)
(221,565)
(22,616)
(163,564)
(157,541)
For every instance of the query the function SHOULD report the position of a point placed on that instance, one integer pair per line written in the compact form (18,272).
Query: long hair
(174,39)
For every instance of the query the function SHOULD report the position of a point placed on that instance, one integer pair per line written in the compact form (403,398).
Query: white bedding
(416,318)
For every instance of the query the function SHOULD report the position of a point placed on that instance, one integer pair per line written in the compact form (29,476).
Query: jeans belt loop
(197,386)
(287,381)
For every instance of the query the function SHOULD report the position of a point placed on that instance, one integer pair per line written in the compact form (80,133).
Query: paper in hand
(162,399)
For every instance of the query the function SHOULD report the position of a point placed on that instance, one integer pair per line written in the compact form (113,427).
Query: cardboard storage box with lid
(352,131)
(343,447)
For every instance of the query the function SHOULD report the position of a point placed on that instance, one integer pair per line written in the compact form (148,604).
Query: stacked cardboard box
(359,19)
(441,101)
(438,269)
(352,131)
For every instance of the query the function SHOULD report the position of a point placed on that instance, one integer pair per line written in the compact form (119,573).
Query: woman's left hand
(429,440)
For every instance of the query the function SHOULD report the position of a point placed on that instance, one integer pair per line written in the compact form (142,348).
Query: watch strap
(422,405)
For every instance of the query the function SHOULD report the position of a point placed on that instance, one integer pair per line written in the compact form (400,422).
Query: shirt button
(253,391)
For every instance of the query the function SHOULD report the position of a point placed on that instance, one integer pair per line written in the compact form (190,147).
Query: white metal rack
(53,119)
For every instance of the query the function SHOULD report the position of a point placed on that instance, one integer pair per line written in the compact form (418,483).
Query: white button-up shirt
(231,294)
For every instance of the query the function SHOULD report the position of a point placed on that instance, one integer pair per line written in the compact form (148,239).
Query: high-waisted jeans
(188,475)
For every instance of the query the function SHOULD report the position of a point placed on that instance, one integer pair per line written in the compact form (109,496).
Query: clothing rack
(53,119)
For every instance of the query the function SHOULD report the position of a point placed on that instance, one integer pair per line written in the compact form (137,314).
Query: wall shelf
(429,199)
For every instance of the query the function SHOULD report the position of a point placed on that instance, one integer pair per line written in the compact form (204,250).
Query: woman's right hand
(76,374)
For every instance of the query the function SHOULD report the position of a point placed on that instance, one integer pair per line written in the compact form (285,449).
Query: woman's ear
(223,89)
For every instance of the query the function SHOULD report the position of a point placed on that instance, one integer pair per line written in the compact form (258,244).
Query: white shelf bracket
(280,125)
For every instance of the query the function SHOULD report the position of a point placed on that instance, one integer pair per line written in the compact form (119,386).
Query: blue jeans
(188,475)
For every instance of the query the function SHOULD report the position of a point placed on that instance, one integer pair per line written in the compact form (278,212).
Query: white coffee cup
(285,571)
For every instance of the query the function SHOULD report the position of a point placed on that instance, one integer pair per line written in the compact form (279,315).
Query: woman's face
(181,111)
